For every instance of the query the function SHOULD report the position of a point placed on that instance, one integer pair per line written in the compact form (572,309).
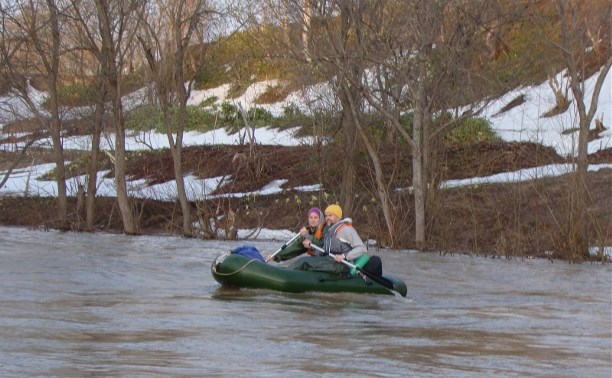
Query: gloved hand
(316,250)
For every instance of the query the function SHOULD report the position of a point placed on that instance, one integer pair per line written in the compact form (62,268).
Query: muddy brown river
(100,305)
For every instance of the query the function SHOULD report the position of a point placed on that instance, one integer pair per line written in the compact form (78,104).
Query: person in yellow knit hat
(341,239)
(334,209)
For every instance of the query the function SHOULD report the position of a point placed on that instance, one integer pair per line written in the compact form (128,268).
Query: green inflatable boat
(237,270)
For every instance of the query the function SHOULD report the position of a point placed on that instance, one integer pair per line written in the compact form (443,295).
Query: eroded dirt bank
(522,219)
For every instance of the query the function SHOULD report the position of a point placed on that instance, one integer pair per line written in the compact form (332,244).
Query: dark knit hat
(317,211)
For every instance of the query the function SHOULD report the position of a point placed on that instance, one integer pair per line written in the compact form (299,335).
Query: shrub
(209,101)
(259,115)
(471,130)
(292,111)
(144,118)
(149,117)
(77,94)
(229,112)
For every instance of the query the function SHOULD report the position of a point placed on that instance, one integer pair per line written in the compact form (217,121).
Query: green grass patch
(471,130)
(151,118)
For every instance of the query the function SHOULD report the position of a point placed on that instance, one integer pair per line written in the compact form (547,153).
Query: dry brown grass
(511,220)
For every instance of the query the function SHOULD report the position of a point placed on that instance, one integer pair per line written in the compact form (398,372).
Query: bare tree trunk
(125,205)
(92,170)
(307,29)
(182,95)
(349,130)
(573,33)
(56,123)
(418,182)
(381,188)
(58,154)
(176,150)
(177,153)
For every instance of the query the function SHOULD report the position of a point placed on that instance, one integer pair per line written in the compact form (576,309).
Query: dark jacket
(315,235)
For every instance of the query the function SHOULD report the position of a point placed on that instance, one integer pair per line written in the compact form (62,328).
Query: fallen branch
(21,155)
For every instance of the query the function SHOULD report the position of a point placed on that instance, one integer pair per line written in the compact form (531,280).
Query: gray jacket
(342,238)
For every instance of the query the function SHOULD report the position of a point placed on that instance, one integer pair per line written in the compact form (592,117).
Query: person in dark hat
(312,233)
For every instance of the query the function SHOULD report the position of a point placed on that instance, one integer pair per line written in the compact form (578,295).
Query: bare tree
(351,69)
(110,39)
(420,65)
(39,52)
(114,21)
(11,41)
(397,57)
(579,22)
(325,47)
(50,56)
(82,68)
(170,28)
(345,70)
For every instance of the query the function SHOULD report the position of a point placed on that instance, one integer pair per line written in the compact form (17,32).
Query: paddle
(379,280)
(269,258)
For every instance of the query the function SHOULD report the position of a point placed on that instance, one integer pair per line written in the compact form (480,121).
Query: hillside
(482,207)
(515,220)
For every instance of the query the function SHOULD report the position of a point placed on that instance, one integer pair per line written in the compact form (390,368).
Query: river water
(83,305)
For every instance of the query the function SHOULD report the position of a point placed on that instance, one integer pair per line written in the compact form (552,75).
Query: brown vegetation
(520,45)
(521,219)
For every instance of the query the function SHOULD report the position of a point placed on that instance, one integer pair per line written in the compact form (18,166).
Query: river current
(102,305)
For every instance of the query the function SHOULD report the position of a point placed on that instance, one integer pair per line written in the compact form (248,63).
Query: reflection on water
(112,305)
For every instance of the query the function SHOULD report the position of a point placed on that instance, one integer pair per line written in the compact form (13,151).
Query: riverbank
(521,219)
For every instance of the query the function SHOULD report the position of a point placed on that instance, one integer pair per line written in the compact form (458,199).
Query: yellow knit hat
(334,209)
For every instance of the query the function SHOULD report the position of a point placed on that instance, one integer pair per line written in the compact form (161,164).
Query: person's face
(313,219)
(331,219)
